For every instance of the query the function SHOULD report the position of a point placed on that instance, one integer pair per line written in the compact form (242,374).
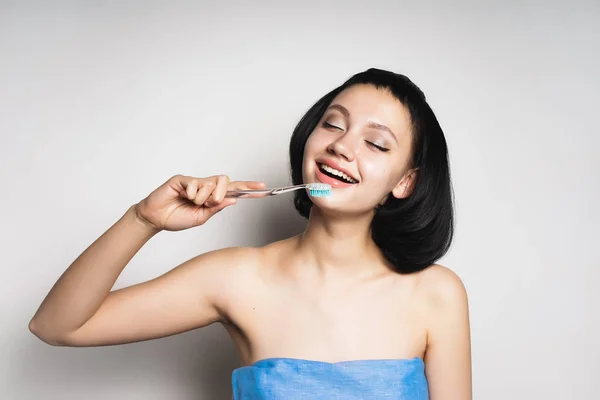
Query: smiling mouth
(335,174)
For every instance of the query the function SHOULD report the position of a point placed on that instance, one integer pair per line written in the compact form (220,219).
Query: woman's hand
(184,202)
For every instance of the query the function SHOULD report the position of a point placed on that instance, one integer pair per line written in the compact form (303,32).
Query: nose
(342,147)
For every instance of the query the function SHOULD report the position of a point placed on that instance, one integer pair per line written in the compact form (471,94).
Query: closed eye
(380,148)
(328,125)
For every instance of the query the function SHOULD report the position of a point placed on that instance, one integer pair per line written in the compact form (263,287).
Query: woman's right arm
(80,309)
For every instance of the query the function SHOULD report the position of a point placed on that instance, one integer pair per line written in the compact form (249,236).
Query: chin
(337,205)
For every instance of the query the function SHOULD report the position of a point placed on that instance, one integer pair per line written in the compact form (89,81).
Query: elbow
(44,336)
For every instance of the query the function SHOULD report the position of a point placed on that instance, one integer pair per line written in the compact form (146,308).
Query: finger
(220,190)
(203,214)
(190,187)
(203,193)
(247,185)
(223,204)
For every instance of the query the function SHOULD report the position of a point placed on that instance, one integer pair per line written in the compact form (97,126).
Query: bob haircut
(416,231)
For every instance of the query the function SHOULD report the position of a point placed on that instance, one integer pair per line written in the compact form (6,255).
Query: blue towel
(297,379)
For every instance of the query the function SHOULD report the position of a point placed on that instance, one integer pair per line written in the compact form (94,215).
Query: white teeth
(337,173)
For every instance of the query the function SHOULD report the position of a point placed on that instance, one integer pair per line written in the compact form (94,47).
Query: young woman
(353,308)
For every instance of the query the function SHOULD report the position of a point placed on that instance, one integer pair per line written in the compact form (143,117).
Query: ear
(405,187)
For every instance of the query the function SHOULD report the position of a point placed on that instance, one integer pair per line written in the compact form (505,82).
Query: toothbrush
(314,190)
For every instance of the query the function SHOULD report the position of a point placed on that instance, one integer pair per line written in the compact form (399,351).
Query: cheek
(308,147)
(310,152)
(380,176)
(314,146)
(315,142)
(374,171)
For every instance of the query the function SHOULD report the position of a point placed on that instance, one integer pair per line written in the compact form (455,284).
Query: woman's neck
(338,242)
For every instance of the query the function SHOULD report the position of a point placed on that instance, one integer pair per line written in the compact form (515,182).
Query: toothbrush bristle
(318,186)
(319,193)
(319,189)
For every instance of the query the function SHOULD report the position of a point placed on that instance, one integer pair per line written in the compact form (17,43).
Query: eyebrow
(373,125)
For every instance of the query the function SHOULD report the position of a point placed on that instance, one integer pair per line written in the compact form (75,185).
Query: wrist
(148,227)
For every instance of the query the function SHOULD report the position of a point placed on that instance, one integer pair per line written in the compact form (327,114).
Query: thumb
(225,203)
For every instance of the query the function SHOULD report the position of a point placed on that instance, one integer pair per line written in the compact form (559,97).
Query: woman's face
(361,147)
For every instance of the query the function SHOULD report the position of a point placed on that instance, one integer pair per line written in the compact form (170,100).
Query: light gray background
(100,102)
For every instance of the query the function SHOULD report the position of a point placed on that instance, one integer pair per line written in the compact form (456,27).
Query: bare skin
(327,294)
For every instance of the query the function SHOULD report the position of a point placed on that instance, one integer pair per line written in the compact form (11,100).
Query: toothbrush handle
(262,193)
(249,193)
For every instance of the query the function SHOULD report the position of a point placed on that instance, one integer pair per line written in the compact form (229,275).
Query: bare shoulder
(448,349)
(238,275)
(441,287)
(231,256)
(239,268)
(230,263)
(222,276)
(274,254)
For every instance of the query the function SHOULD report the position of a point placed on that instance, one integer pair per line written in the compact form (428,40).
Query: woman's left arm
(448,353)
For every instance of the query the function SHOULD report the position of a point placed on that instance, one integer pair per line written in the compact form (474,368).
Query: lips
(334,165)
(334,182)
